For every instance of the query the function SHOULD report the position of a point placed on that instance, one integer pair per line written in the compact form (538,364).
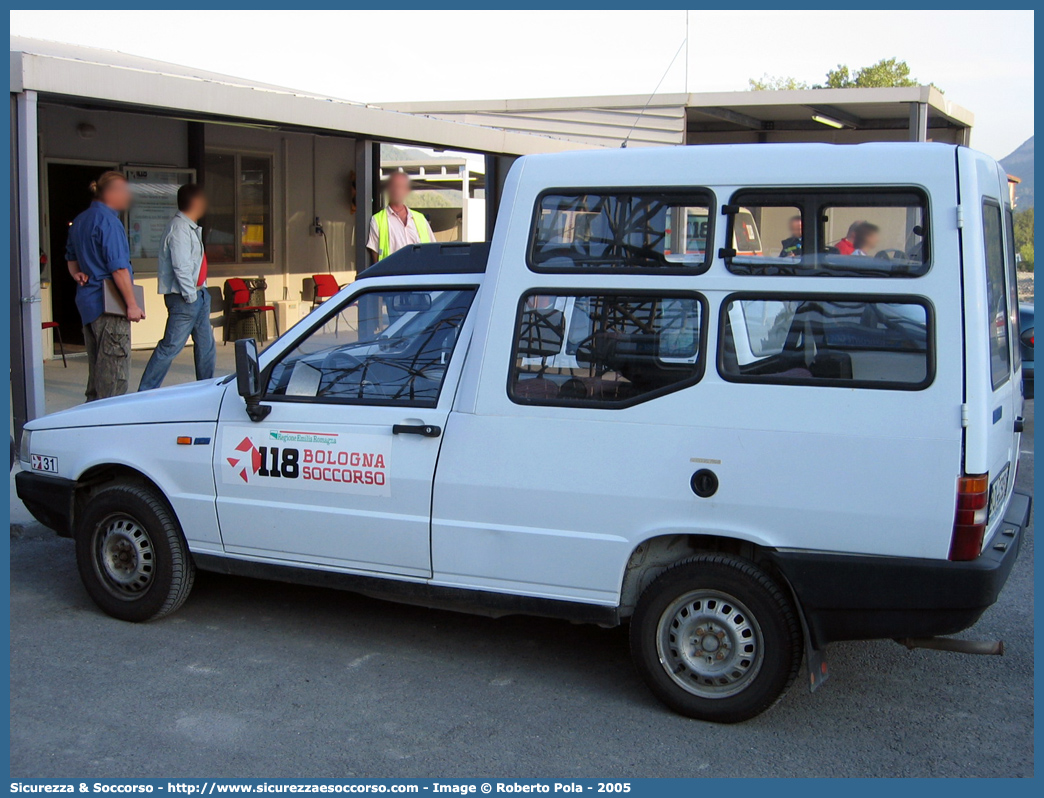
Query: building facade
(840,116)
(274,161)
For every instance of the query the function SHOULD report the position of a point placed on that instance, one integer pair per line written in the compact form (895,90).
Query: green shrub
(1024,239)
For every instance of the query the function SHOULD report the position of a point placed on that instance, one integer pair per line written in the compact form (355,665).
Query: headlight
(23,454)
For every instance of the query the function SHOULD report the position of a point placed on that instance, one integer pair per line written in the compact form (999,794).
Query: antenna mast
(645,107)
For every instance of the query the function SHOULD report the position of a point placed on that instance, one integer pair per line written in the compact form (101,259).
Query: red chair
(53,325)
(239,293)
(325,287)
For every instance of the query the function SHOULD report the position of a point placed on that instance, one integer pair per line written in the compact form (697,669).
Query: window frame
(682,192)
(990,202)
(587,404)
(811,201)
(237,238)
(325,318)
(813,382)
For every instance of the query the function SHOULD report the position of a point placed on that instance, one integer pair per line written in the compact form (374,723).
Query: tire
(131,555)
(743,636)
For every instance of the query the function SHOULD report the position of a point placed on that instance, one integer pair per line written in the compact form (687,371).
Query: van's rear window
(996,293)
(608,230)
(828,233)
(1013,286)
(848,341)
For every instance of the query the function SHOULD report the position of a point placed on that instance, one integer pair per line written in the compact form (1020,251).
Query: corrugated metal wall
(606,127)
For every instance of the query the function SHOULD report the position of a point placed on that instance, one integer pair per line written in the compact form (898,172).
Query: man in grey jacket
(183,284)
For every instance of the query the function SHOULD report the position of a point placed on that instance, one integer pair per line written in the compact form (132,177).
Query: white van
(743,455)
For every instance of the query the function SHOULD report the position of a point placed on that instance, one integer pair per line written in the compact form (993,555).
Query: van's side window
(996,299)
(383,347)
(605,350)
(1013,287)
(850,341)
(820,233)
(609,230)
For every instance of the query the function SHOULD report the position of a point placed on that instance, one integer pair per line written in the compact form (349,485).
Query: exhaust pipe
(985,647)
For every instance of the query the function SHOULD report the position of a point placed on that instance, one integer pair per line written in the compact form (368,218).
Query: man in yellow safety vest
(397,226)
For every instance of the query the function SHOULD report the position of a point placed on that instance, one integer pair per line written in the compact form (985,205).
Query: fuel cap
(704,483)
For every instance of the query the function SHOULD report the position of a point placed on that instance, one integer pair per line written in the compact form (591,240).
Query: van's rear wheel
(715,638)
(131,555)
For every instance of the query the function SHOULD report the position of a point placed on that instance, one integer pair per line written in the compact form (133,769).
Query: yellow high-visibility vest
(384,237)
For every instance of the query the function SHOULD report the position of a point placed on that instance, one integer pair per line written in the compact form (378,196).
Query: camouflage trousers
(108,356)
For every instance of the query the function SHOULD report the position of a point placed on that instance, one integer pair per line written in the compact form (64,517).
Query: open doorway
(449,188)
(68,194)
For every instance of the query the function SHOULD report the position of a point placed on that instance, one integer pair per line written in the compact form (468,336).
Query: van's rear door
(993,391)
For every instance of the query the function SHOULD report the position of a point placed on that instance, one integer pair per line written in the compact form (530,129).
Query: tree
(885,73)
(775,83)
(1024,238)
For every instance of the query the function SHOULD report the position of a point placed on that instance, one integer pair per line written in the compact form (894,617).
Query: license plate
(998,492)
(44,462)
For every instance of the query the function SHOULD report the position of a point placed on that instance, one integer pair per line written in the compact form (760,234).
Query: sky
(982,60)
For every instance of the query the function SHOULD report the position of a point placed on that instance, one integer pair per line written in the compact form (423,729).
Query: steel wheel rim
(124,556)
(709,644)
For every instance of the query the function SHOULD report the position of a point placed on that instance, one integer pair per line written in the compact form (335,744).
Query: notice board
(155,191)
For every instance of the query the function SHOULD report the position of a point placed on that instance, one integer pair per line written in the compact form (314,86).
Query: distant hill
(1020,164)
(396,152)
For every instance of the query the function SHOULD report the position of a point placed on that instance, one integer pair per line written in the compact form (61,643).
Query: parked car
(746,457)
(1026,345)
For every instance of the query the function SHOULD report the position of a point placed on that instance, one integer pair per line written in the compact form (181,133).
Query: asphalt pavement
(255,678)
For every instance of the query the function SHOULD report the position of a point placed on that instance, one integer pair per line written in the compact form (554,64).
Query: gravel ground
(1026,286)
(254,678)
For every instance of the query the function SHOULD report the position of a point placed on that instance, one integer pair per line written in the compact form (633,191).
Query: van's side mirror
(248,379)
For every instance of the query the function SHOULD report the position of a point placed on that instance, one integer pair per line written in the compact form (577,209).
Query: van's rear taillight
(969,523)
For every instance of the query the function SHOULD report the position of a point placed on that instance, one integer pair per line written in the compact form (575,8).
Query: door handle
(427,430)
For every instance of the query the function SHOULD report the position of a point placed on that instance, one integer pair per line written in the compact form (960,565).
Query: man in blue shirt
(97,250)
(183,284)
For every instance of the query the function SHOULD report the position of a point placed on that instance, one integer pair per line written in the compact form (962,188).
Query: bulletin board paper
(155,191)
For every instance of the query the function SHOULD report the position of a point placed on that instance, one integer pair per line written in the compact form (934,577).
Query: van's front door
(340,471)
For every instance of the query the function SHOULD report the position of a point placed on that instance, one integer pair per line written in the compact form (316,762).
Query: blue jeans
(183,319)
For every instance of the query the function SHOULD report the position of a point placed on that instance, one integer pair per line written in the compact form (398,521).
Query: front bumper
(853,597)
(50,500)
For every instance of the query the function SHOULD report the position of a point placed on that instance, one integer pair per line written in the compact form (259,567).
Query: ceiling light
(827,120)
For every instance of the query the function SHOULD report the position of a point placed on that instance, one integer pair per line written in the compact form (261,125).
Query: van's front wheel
(715,638)
(132,557)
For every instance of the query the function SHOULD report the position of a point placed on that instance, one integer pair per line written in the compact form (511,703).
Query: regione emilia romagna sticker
(306,459)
